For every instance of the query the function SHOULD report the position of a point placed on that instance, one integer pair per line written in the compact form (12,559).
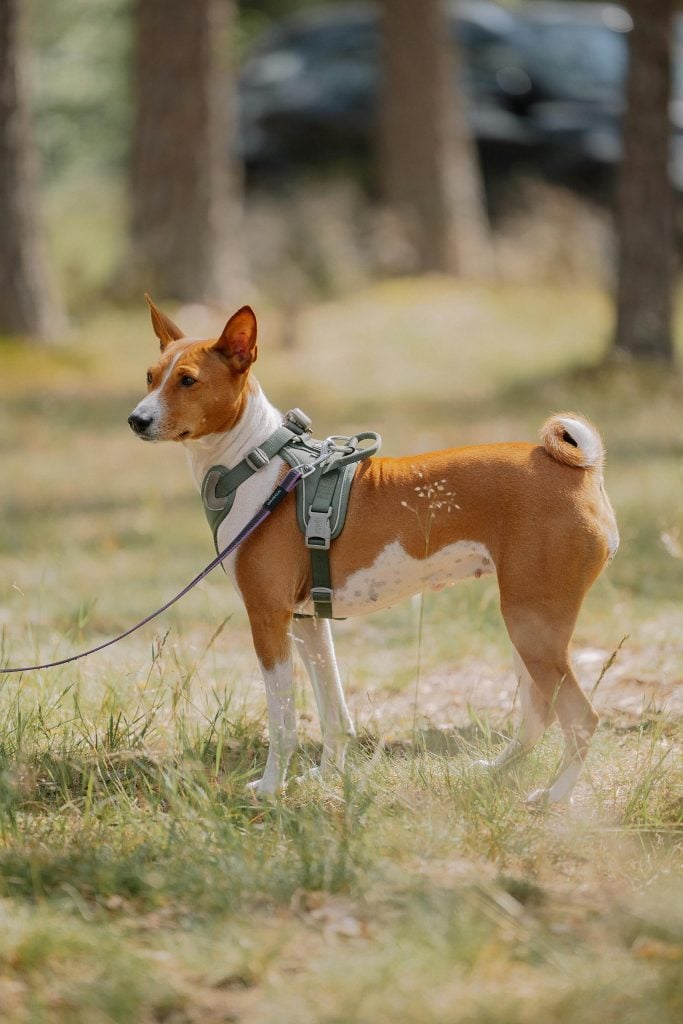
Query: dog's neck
(257,422)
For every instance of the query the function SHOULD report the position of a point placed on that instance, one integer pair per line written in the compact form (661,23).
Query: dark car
(577,58)
(309,89)
(544,86)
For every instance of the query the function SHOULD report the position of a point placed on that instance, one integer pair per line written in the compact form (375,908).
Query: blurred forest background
(296,150)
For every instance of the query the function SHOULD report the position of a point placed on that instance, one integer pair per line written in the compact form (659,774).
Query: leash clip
(322,458)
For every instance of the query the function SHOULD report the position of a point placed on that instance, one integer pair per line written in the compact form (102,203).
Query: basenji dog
(535,515)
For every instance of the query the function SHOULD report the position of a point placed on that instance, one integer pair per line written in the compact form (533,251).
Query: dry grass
(137,882)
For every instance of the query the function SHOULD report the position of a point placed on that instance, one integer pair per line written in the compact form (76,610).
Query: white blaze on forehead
(153,404)
(169,370)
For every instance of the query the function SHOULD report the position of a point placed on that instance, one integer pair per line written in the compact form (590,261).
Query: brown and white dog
(535,515)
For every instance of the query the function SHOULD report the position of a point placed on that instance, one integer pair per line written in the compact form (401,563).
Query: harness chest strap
(322,494)
(220,484)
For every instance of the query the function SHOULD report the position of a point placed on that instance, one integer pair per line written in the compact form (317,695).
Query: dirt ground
(636,684)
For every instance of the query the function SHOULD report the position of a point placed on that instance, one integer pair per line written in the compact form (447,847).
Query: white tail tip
(569,438)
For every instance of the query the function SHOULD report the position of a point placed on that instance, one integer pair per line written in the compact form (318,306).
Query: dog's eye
(187,381)
(149,377)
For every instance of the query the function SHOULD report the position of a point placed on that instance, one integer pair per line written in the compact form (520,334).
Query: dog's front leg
(272,642)
(313,638)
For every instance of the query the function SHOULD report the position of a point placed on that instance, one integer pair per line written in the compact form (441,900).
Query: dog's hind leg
(536,716)
(313,641)
(541,634)
(579,721)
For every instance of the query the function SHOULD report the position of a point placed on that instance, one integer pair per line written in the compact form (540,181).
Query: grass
(138,882)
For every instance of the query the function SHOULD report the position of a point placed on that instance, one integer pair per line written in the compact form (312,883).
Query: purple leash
(281,491)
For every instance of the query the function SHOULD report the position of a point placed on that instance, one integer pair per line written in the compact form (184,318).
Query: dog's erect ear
(164,328)
(237,343)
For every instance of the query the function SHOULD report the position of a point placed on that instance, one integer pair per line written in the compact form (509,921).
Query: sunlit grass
(135,874)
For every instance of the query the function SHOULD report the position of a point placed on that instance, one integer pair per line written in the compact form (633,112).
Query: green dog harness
(322,496)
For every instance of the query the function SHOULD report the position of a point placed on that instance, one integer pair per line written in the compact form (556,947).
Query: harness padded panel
(322,497)
(307,488)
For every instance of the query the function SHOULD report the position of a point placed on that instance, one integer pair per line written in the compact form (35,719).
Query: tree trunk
(185,209)
(428,165)
(28,304)
(645,200)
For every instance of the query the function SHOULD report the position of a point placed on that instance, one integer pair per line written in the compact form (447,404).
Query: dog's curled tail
(571,439)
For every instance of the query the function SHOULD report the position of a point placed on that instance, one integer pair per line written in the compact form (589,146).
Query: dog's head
(196,387)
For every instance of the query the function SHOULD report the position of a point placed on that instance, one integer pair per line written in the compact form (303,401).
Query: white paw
(262,789)
(541,799)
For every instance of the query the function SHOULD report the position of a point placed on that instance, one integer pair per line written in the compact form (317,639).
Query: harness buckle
(318,530)
(322,595)
(299,421)
(256,459)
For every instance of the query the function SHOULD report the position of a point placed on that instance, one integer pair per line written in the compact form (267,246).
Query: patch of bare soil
(624,687)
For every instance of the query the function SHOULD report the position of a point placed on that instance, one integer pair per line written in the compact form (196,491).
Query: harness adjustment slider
(256,459)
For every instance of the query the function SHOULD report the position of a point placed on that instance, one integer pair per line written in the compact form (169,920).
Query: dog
(536,516)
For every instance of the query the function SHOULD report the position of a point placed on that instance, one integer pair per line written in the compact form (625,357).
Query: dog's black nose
(138,422)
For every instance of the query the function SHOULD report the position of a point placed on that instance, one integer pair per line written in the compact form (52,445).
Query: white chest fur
(259,421)
(249,498)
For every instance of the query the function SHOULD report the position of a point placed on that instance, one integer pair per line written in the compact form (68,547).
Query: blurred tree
(256,16)
(185,206)
(645,212)
(427,161)
(28,304)
(82,53)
